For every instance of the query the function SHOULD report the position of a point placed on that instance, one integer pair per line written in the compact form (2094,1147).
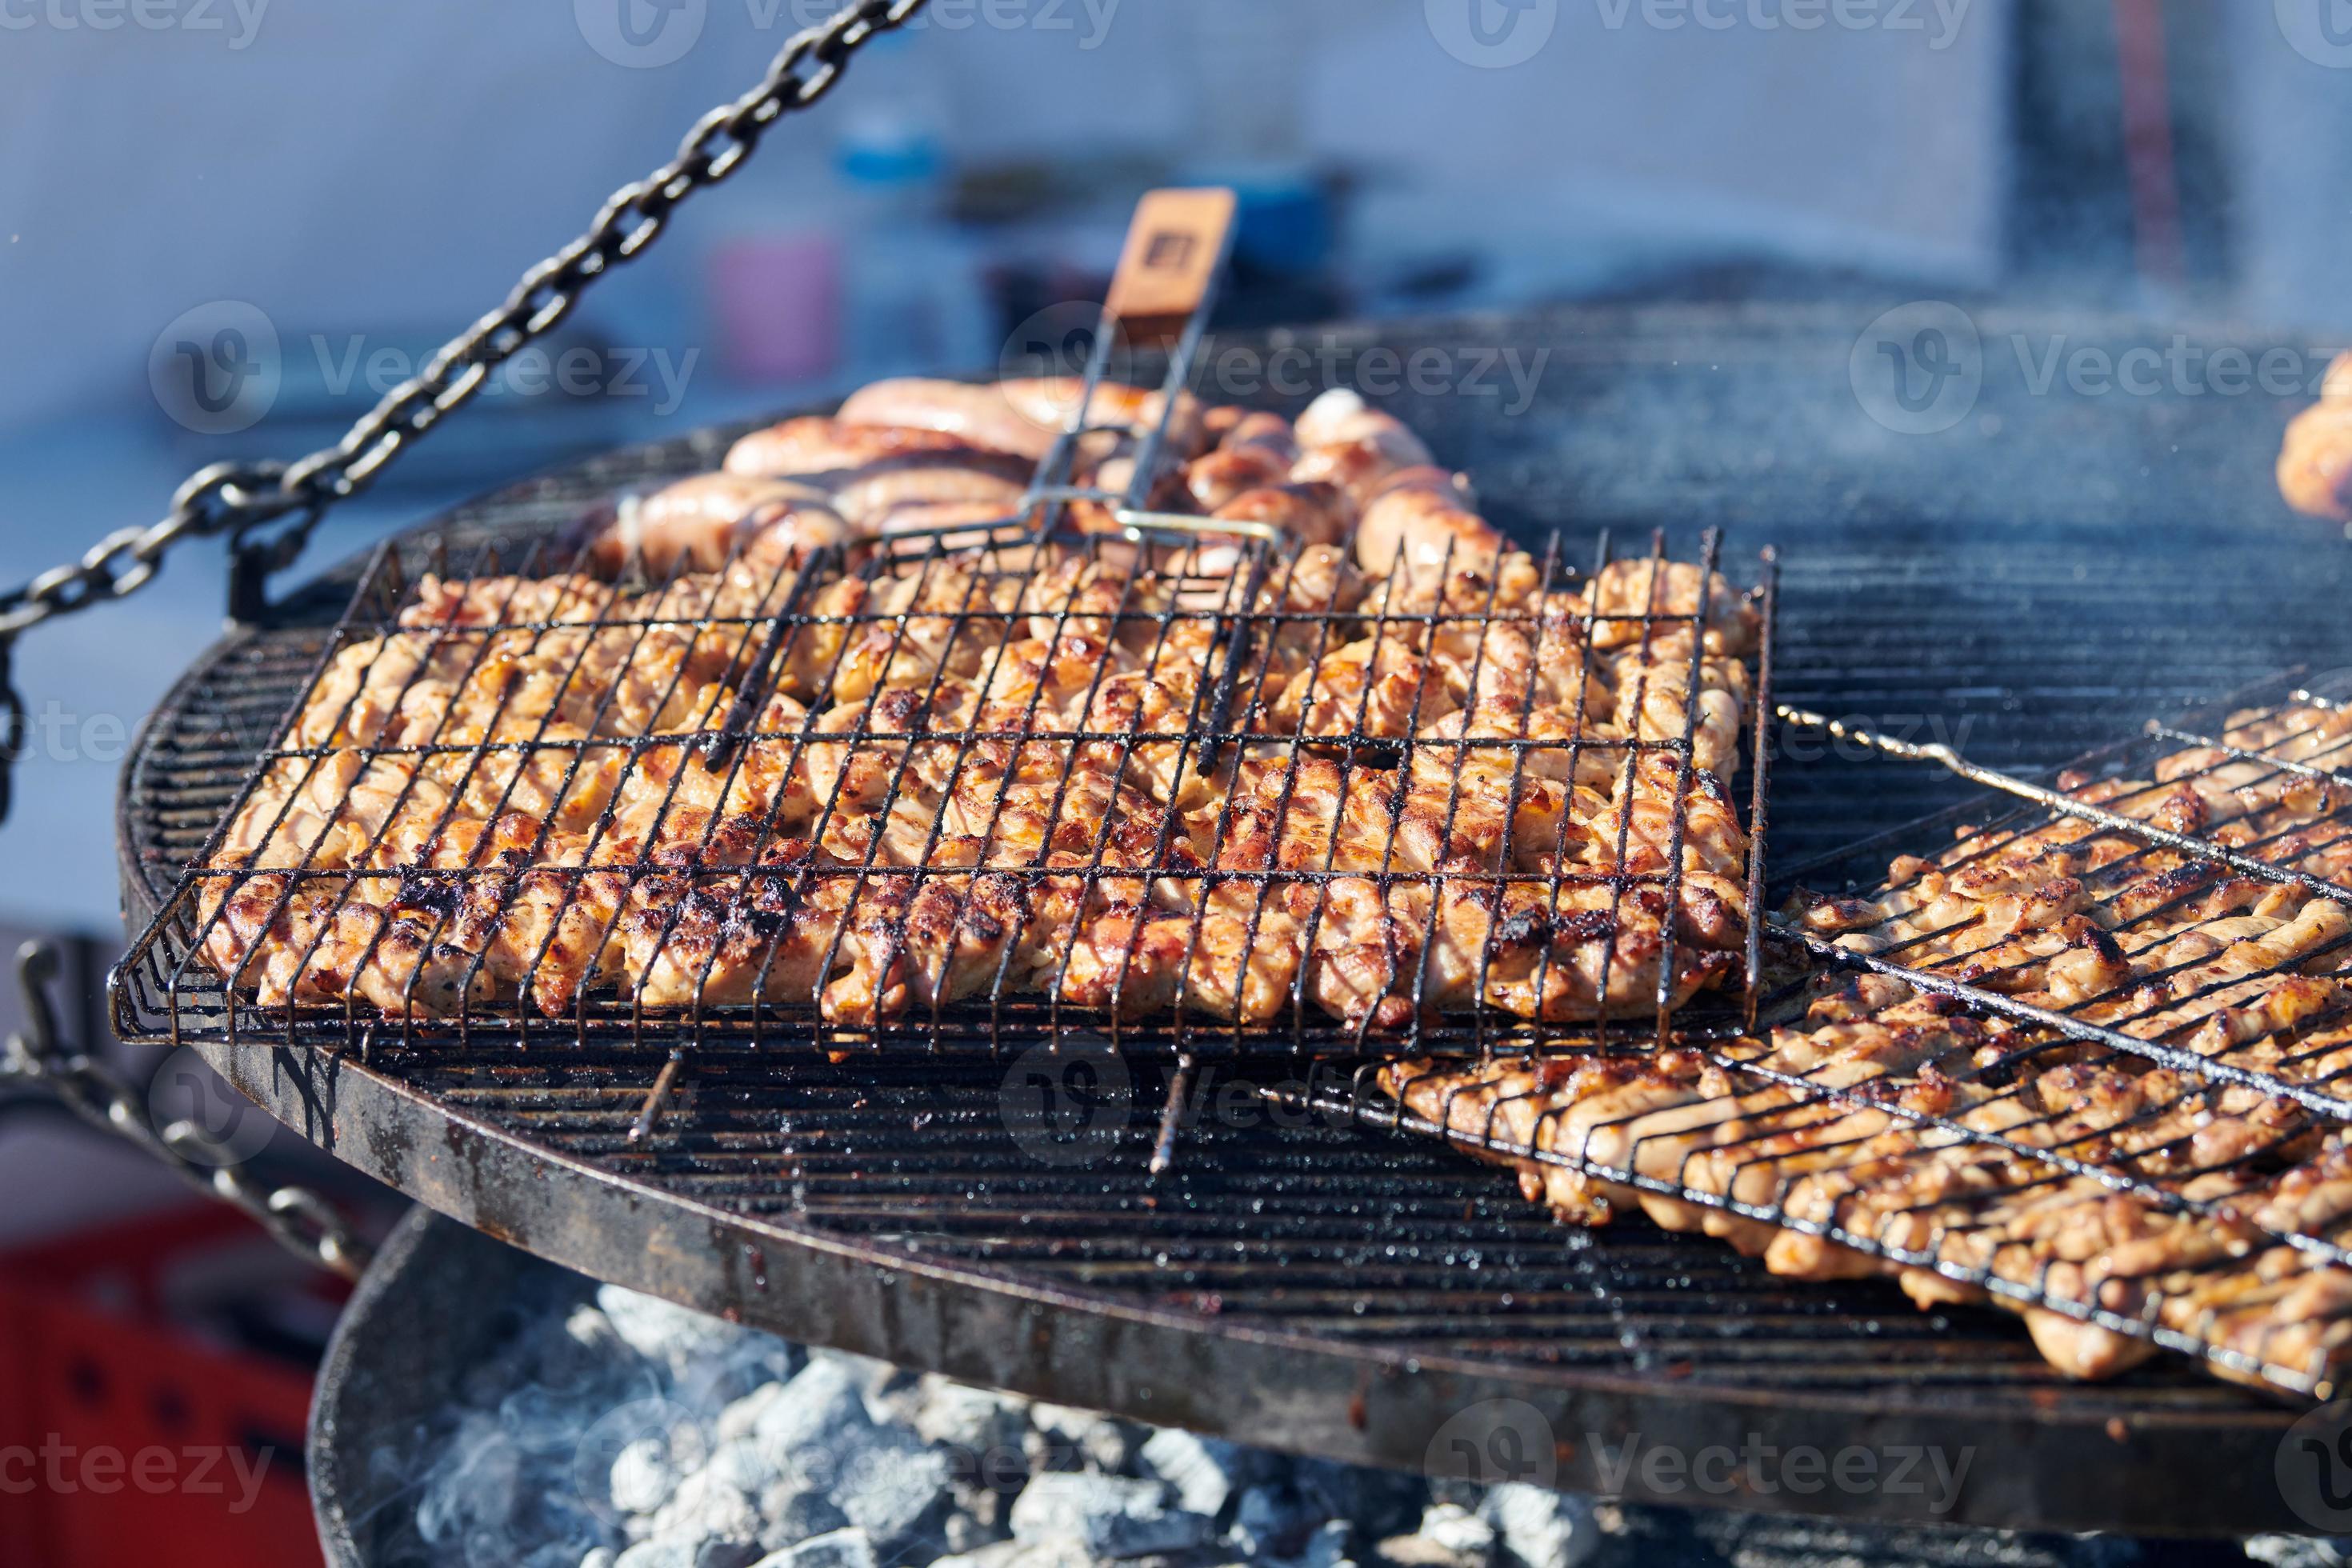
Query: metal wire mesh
(850,828)
(2087,1064)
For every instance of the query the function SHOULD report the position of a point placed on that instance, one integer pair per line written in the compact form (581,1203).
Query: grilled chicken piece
(971,767)
(2315,463)
(1628,595)
(1967,1147)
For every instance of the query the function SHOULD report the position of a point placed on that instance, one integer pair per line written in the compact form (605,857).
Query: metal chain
(300,1220)
(237,498)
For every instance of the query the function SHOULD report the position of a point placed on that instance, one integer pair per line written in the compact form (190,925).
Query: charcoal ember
(706,1507)
(793,1512)
(688,1552)
(744,1464)
(587,1348)
(1205,1471)
(755,1362)
(742,1415)
(1380,1503)
(818,1421)
(667,1334)
(895,1489)
(956,1415)
(1542,1528)
(2299,1552)
(966,1530)
(1107,1516)
(876,1381)
(1418,1551)
(642,1476)
(1332,1546)
(838,1549)
(1272,1521)
(1456,1530)
(1079,1439)
(1058,1551)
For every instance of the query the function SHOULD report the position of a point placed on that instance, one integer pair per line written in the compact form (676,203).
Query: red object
(778,303)
(2148,141)
(125,1437)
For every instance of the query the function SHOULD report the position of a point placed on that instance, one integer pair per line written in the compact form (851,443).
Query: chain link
(300,1220)
(238,500)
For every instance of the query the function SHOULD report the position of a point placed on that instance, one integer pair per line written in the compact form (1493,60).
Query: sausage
(1354,446)
(1020,416)
(2315,464)
(1257,451)
(1424,518)
(815,445)
(864,471)
(1315,513)
(697,524)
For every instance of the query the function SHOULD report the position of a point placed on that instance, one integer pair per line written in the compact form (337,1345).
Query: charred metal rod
(2190,1063)
(1172,1116)
(744,713)
(643,1128)
(2264,759)
(2054,800)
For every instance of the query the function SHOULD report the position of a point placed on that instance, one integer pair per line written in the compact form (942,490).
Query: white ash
(645,1436)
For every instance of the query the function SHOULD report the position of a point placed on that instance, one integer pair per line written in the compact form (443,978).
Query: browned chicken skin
(979,769)
(2315,462)
(2081,1178)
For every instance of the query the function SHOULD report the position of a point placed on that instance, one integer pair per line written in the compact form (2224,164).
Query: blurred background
(227,226)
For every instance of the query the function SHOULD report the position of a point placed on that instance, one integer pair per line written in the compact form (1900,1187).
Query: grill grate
(2127,1035)
(780,647)
(1931,597)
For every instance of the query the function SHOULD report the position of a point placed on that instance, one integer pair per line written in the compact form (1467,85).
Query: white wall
(387,166)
